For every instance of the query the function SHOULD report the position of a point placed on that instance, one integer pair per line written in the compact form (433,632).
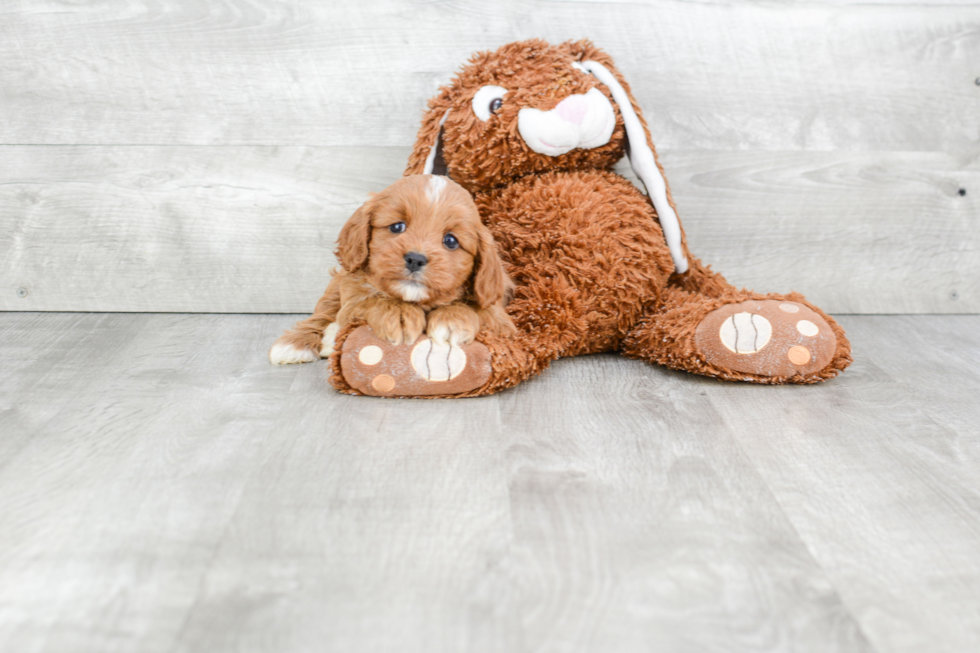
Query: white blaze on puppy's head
(434,188)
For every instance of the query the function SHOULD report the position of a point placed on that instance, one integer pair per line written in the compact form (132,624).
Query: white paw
(440,334)
(329,335)
(447,335)
(285,354)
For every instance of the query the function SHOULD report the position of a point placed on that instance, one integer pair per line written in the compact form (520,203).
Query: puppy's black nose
(415,261)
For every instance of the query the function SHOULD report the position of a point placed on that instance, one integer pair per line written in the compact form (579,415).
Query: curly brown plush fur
(585,247)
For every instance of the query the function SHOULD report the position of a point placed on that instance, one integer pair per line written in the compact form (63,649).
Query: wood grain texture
(878,503)
(855,232)
(178,229)
(150,423)
(720,75)
(183,156)
(163,488)
(501,526)
(252,229)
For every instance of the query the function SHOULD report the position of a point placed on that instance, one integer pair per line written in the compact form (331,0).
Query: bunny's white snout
(584,121)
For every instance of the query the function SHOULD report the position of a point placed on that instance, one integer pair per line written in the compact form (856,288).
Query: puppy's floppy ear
(490,282)
(639,145)
(355,238)
(426,157)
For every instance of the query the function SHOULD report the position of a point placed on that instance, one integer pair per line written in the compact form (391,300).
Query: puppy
(415,257)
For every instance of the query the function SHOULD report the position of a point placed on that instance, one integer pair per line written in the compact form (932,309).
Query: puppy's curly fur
(415,258)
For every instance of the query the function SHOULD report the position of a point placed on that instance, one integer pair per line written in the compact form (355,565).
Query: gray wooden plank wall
(178,155)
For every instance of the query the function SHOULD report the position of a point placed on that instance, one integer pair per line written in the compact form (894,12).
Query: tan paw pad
(766,338)
(376,367)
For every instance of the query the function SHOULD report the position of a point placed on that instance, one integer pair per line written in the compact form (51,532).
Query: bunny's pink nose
(573,109)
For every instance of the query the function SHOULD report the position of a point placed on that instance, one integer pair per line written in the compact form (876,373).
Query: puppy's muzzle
(415,261)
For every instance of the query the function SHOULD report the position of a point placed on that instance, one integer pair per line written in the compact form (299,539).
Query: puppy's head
(421,240)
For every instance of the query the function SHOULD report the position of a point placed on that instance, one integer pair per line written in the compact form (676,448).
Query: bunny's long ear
(642,155)
(426,157)
(644,163)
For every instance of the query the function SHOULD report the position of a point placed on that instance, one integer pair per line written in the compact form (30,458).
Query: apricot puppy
(415,258)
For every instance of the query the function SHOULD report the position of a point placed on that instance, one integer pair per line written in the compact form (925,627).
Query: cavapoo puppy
(415,258)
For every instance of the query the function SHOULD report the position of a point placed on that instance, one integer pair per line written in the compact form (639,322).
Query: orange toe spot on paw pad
(383,383)
(789,308)
(371,355)
(798,355)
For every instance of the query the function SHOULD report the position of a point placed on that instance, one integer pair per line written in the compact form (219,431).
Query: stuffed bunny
(533,131)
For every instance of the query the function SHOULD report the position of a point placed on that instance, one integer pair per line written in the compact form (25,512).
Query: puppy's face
(420,240)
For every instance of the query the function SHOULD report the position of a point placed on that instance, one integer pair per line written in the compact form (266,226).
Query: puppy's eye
(397,228)
(450,241)
(488,101)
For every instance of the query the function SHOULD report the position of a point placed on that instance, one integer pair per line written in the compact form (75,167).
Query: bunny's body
(606,260)
(533,132)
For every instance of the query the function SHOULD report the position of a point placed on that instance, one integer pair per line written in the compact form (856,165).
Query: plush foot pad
(375,367)
(767,338)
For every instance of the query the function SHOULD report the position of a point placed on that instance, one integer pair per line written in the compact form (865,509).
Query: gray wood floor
(163,488)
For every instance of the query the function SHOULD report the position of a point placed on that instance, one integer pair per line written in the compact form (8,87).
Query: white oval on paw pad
(745,333)
(371,355)
(438,362)
(807,328)
(789,308)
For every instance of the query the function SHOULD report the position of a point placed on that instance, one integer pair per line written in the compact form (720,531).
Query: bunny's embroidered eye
(450,241)
(397,228)
(488,101)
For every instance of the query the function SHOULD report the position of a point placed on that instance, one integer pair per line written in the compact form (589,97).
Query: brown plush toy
(533,132)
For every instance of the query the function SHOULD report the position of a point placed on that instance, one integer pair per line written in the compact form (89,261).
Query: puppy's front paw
(397,322)
(455,325)
(285,352)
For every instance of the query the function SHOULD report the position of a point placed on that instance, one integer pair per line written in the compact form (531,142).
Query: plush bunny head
(531,107)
